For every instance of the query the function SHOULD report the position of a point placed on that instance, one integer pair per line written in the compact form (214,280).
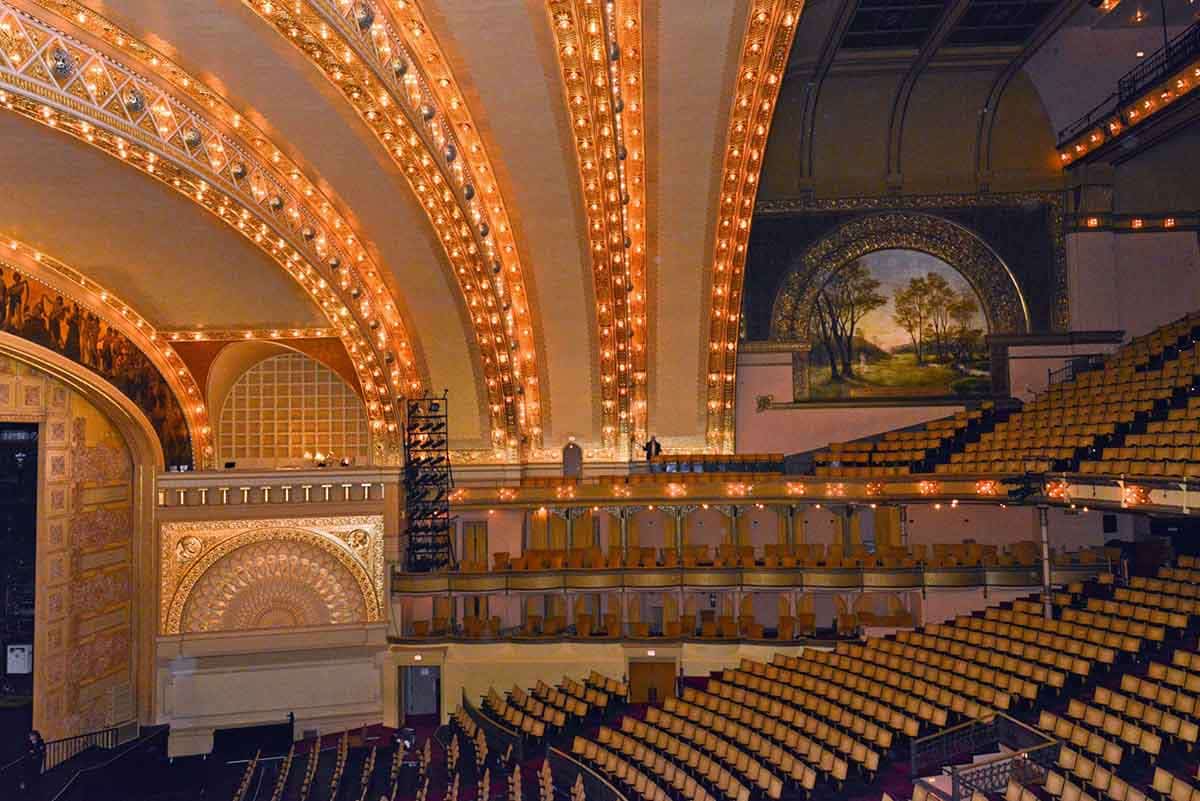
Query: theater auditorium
(599,400)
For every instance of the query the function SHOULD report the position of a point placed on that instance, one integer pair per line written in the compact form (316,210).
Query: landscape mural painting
(898,324)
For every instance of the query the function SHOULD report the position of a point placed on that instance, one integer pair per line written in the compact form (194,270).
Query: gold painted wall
(84,637)
(938,145)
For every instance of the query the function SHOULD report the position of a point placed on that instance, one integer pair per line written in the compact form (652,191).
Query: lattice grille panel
(288,407)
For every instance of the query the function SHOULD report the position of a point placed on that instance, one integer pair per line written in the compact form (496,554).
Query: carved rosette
(263,574)
(991,279)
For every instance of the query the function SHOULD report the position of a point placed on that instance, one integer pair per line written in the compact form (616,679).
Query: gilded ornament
(61,63)
(340,562)
(358,539)
(991,279)
(188,548)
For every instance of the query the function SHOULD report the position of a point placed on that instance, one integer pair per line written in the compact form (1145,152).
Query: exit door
(651,682)
(421,692)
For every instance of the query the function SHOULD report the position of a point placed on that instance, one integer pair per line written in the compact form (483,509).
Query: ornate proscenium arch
(271,574)
(988,275)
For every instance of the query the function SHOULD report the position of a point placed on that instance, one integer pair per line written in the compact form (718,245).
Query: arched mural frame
(999,294)
(146,456)
(372,601)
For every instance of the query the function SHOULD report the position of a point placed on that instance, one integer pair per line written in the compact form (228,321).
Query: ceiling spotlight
(1141,54)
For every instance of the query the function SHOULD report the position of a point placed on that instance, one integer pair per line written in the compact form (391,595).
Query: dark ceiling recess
(892,24)
(905,24)
(998,22)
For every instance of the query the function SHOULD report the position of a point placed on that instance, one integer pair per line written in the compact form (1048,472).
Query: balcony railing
(1149,72)
(1028,753)
(59,751)
(751,579)
(1170,58)
(1074,368)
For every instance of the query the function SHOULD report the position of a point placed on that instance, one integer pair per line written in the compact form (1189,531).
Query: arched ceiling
(108,221)
(562,256)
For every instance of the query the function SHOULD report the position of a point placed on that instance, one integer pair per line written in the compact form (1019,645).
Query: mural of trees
(842,303)
(897,324)
(937,317)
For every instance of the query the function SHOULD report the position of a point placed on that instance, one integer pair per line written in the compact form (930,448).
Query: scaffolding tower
(428,481)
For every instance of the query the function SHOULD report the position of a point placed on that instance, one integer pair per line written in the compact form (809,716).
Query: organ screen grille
(287,406)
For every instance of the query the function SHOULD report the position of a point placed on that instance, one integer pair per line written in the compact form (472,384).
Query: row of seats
(809,726)
(730,768)
(765,739)
(1136,413)
(895,451)
(528,724)
(684,463)
(625,775)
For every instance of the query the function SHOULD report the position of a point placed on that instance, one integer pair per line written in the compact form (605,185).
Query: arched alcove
(287,407)
(289,581)
(997,289)
(264,574)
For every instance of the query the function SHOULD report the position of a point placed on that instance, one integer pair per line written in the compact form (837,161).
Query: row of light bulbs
(765,46)
(257,167)
(599,53)
(387,63)
(504,328)
(1179,85)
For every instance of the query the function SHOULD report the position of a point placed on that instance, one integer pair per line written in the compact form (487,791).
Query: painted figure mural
(33,311)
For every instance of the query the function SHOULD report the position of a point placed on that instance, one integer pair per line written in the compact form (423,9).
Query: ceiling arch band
(112,310)
(770,28)
(599,52)
(358,274)
(1050,24)
(58,81)
(392,72)
(937,36)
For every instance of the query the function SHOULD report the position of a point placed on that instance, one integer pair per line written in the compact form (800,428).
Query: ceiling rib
(766,43)
(599,50)
(1049,25)
(60,82)
(812,89)
(408,371)
(395,78)
(933,42)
